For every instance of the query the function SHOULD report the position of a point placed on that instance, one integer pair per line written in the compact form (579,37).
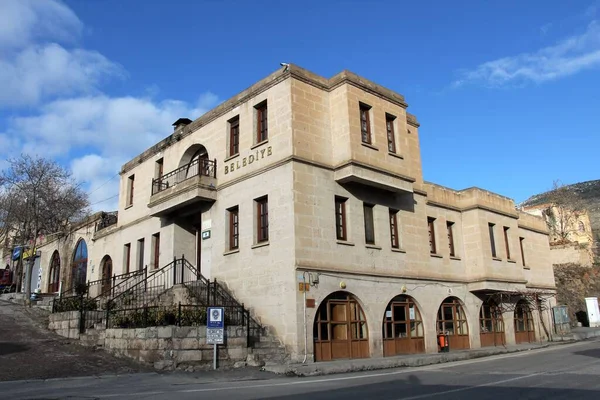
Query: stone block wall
(169,347)
(65,324)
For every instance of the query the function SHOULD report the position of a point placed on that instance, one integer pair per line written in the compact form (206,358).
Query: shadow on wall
(403,201)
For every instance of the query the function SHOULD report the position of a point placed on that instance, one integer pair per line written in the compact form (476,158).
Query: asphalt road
(559,372)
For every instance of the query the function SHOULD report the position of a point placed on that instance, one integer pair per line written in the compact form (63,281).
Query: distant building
(303,179)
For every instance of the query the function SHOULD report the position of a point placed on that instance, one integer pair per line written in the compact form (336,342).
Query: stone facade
(316,152)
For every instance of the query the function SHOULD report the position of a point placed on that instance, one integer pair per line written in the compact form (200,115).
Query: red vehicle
(6,281)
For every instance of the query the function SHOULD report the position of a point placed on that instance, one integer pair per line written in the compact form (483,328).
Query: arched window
(402,328)
(106,274)
(54,273)
(451,319)
(491,325)
(524,329)
(340,329)
(80,261)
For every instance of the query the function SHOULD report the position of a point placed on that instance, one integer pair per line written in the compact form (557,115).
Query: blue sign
(215,317)
(16,253)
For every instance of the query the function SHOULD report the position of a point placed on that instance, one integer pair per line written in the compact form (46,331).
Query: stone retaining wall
(168,347)
(65,324)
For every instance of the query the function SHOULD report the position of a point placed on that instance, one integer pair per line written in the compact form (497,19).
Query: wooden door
(106,276)
(402,328)
(524,329)
(452,320)
(340,330)
(491,325)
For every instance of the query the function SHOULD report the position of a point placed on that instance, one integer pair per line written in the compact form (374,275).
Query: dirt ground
(29,351)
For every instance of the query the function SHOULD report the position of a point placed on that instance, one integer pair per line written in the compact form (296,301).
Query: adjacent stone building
(305,196)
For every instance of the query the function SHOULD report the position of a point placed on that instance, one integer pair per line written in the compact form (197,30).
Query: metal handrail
(197,167)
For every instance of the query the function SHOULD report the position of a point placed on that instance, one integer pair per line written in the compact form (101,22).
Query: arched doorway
(80,260)
(402,328)
(491,325)
(451,318)
(524,330)
(106,274)
(54,273)
(195,160)
(340,330)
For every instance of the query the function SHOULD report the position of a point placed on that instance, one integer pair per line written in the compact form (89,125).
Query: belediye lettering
(259,155)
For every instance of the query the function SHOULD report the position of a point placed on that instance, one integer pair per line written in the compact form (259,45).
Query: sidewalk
(419,360)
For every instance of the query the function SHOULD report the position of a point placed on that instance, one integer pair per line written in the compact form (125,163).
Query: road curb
(319,369)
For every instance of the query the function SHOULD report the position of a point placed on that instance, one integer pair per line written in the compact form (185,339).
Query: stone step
(268,345)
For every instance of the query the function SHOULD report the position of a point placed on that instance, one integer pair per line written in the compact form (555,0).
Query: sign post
(215,327)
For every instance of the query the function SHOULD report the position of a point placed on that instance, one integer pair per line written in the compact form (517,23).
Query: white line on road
(463,389)
(366,376)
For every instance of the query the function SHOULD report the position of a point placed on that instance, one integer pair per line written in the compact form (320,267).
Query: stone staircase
(269,350)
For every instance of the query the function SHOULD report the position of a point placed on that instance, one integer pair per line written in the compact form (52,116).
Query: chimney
(180,123)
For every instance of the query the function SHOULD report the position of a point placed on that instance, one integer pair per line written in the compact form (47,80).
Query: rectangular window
(140,254)
(262,220)
(156,250)
(262,127)
(369,224)
(365,123)
(431,228)
(159,169)
(389,125)
(521,240)
(234,228)
(492,241)
(234,136)
(395,242)
(340,218)
(130,188)
(506,243)
(126,257)
(450,227)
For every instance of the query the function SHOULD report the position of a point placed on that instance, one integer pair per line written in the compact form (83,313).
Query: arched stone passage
(452,319)
(524,328)
(340,329)
(106,274)
(54,273)
(196,162)
(80,261)
(491,325)
(402,328)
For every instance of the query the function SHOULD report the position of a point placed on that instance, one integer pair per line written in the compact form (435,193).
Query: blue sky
(506,92)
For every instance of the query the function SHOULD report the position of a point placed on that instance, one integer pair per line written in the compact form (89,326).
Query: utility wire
(110,179)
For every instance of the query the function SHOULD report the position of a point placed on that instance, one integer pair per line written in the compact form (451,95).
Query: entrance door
(491,325)
(340,329)
(524,330)
(402,328)
(106,275)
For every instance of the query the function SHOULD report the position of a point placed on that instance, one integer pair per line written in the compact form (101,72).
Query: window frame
(234,136)
(506,242)
(365,134)
(262,122)
(127,257)
(451,244)
(340,218)
(234,228)
(394,238)
(390,132)
(521,240)
(431,231)
(262,219)
(156,249)
(130,190)
(491,228)
(369,221)
(141,244)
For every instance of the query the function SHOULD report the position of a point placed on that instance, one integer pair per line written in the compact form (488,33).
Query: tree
(562,212)
(42,198)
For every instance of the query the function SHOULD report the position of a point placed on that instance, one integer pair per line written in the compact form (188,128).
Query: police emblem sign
(215,325)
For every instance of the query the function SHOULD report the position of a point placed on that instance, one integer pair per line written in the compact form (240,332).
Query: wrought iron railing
(198,167)
(107,219)
(110,287)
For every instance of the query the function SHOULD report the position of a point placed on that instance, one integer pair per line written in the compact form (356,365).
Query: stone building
(305,196)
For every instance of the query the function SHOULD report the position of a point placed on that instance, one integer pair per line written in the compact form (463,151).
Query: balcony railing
(107,219)
(198,167)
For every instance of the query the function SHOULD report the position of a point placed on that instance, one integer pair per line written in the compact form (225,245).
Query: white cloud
(25,21)
(565,58)
(40,72)
(115,129)
(68,116)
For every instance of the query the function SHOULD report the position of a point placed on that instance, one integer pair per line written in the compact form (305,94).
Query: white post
(215,356)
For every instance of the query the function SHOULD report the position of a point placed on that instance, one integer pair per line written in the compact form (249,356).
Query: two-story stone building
(305,196)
